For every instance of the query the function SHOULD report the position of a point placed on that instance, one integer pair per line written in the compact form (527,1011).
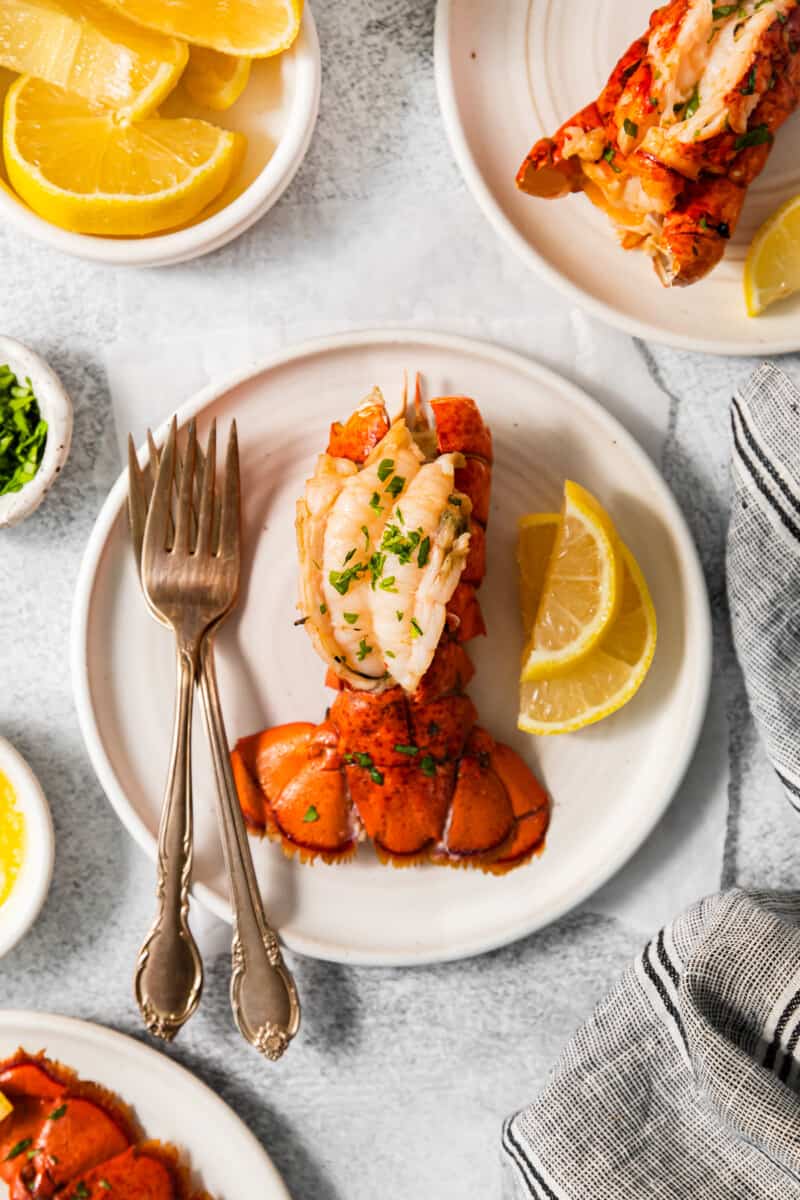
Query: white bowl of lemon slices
(164,134)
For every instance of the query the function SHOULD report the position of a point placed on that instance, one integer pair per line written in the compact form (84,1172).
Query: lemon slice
(607,678)
(537,537)
(252,28)
(85,48)
(772,269)
(581,587)
(6,1107)
(215,80)
(77,166)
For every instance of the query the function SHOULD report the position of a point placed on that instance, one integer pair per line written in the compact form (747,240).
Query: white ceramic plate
(512,71)
(30,890)
(610,783)
(277,111)
(171,1105)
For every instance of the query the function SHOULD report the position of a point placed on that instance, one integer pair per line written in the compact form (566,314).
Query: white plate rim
(121,1045)
(445,89)
(234,219)
(697,606)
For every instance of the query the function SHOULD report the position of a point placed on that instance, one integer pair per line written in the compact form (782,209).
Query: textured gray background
(401,1078)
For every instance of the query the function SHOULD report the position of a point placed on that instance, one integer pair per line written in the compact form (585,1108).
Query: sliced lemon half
(580,593)
(608,677)
(86,48)
(772,269)
(251,28)
(215,80)
(537,537)
(6,1107)
(77,166)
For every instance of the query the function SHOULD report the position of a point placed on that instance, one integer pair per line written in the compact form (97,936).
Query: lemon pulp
(12,838)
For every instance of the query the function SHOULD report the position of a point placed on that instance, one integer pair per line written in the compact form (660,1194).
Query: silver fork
(263,994)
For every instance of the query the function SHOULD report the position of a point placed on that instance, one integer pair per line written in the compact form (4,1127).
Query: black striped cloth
(685,1081)
(764,562)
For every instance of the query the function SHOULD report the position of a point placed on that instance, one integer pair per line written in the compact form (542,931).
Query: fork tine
(137,502)
(152,466)
(231,499)
(183,517)
(206,519)
(159,521)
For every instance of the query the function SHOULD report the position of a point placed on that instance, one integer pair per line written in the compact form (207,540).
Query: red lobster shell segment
(684,125)
(72,1138)
(411,771)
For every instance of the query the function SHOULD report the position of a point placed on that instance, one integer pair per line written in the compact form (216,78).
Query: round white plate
(170,1103)
(610,783)
(512,71)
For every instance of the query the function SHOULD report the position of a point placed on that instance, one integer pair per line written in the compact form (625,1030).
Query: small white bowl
(56,408)
(33,882)
(277,111)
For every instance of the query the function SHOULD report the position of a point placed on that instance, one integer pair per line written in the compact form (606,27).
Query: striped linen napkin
(684,1082)
(764,562)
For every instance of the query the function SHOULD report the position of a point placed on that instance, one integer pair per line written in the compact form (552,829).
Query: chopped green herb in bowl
(23,432)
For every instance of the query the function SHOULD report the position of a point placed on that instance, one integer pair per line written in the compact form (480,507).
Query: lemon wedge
(772,269)
(537,537)
(580,593)
(6,1107)
(77,166)
(215,80)
(88,49)
(251,28)
(608,677)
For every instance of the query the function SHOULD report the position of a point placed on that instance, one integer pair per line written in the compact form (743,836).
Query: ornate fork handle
(169,972)
(263,993)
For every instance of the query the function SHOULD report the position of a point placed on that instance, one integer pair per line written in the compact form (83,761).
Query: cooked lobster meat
(66,1137)
(684,125)
(392,543)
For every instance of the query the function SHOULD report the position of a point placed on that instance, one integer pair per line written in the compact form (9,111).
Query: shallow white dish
(277,111)
(55,407)
(171,1104)
(610,783)
(512,71)
(30,890)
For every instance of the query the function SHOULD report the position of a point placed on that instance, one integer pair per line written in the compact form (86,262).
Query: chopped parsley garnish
(351,618)
(400,516)
(19,1148)
(749,86)
(410,751)
(376,776)
(365,532)
(363,650)
(395,541)
(630,127)
(385,469)
(104,1184)
(758,136)
(725,10)
(23,433)
(398,614)
(395,487)
(310,815)
(57,1113)
(363,760)
(427,764)
(341,580)
(692,104)
(454,499)
(388,584)
(376,564)
(323,608)
(375,503)
(424,551)
(349,555)
(416,631)
(81,1191)
(390,654)
(609,154)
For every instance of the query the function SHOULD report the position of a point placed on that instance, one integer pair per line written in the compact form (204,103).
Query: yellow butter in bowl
(12,841)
